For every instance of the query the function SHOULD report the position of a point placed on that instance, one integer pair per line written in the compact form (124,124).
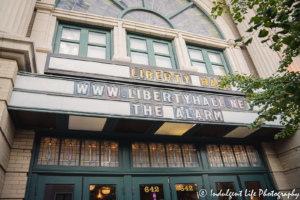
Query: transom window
(76,152)
(79,41)
(164,155)
(147,51)
(208,61)
(233,156)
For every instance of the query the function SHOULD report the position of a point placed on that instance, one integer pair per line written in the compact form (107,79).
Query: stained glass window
(174,155)
(140,154)
(253,156)
(90,150)
(109,154)
(49,151)
(214,155)
(69,153)
(228,157)
(74,152)
(146,18)
(97,7)
(158,155)
(131,3)
(194,21)
(166,7)
(241,156)
(190,155)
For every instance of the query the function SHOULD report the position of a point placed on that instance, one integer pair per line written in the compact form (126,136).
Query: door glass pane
(49,150)
(253,156)
(190,155)
(69,48)
(69,155)
(96,52)
(223,187)
(214,57)
(196,54)
(139,58)
(219,70)
(201,67)
(138,44)
(241,156)
(187,191)
(228,156)
(152,192)
(162,61)
(256,187)
(161,48)
(70,34)
(158,155)
(140,155)
(59,192)
(109,154)
(214,156)
(90,150)
(105,192)
(99,38)
(174,155)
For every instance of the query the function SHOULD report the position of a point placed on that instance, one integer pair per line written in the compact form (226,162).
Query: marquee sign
(149,102)
(46,93)
(129,72)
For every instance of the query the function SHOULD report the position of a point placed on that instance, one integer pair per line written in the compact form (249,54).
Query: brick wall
(17,171)
(8,72)
(290,159)
(283,161)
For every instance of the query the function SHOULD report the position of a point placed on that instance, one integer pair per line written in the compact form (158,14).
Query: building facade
(117,100)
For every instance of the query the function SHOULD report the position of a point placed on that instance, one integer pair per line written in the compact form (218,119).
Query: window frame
(184,168)
(237,166)
(150,50)
(79,167)
(83,41)
(207,61)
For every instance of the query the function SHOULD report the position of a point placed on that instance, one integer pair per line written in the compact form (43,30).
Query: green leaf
(239,39)
(248,41)
(287,40)
(264,41)
(255,20)
(258,25)
(268,24)
(275,38)
(263,33)
(250,29)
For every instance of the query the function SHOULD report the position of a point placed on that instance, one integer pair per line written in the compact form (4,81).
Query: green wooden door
(224,183)
(103,188)
(149,188)
(254,183)
(58,187)
(186,187)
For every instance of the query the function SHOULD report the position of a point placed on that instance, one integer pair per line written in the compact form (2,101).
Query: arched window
(178,14)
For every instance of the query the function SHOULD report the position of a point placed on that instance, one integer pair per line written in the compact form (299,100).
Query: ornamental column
(15,16)
(265,59)
(182,53)
(120,51)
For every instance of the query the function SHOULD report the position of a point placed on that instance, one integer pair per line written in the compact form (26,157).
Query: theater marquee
(54,94)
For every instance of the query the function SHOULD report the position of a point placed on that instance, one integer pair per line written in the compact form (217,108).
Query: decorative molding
(20,49)
(45,6)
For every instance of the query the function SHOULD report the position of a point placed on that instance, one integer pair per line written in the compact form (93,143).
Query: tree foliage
(278,23)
